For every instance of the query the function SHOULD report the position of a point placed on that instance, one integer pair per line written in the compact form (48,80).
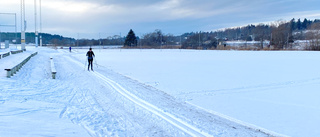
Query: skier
(90,55)
(70,49)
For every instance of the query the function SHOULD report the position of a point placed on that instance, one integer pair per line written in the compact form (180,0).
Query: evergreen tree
(298,25)
(249,38)
(304,24)
(293,24)
(131,39)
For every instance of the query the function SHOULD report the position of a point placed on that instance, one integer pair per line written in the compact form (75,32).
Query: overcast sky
(88,18)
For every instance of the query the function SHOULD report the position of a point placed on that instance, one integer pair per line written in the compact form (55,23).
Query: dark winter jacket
(90,54)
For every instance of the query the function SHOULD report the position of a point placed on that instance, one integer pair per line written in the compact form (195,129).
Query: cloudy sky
(88,18)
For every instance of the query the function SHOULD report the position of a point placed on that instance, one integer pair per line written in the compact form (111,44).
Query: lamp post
(35,22)
(23,26)
(40,26)
(15,24)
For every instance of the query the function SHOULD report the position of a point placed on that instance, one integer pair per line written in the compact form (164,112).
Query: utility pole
(180,41)
(270,43)
(140,42)
(23,26)
(199,39)
(100,42)
(40,26)
(161,42)
(35,22)
(15,23)
(120,39)
(78,40)
(288,41)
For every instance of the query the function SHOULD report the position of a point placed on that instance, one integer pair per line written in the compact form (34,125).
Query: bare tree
(313,35)
(154,39)
(262,33)
(281,35)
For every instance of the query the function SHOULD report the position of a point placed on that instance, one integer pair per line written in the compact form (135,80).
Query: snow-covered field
(163,93)
(276,90)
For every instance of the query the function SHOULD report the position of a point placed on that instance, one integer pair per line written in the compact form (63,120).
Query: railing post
(8,73)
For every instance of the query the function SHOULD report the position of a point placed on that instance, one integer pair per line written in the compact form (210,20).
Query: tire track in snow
(180,124)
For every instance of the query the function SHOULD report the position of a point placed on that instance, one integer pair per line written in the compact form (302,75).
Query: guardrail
(11,70)
(12,52)
(53,69)
(17,51)
(4,55)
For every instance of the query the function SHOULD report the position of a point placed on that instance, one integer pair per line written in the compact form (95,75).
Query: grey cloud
(170,15)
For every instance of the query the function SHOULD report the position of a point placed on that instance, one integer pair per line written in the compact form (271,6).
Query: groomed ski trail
(181,117)
(185,127)
(191,130)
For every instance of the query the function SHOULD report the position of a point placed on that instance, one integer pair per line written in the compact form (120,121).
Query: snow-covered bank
(276,90)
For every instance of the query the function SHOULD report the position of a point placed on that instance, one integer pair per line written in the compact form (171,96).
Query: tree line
(280,34)
(47,39)
(58,40)
(155,39)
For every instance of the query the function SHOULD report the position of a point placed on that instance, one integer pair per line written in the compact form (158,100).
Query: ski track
(104,107)
(247,89)
(191,126)
(191,130)
(106,113)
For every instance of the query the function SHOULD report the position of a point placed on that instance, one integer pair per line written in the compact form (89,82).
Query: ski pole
(95,61)
(85,64)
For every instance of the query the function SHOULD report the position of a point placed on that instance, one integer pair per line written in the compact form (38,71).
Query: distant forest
(58,40)
(280,34)
(30,38)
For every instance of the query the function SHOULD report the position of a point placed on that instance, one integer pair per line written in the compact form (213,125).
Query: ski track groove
(248,89)
(85,111)
(166,116)
(187,128)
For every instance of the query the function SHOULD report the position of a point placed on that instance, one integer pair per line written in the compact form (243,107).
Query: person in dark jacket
(90,55)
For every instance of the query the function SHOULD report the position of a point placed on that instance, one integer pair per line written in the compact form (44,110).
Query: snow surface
(162,93)
(276,90)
